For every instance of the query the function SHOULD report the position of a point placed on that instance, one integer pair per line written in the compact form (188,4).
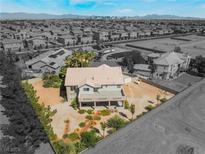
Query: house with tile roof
(169,65)
(95,86)
(50,62)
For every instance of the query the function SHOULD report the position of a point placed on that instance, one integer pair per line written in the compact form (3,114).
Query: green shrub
(105,112)
(97,118)
(79,146)
(44,113)
(110,131)
(116,122)
(65,136)
(73,136)
(63,148)
(89,138)
(127,105)
(89,117)
(74,103)
(149,107)
(90,111)
(50,80)
(82,124)
(163,100)
(95,129)
(81,111)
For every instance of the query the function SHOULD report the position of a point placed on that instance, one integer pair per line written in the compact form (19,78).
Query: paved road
(176,127)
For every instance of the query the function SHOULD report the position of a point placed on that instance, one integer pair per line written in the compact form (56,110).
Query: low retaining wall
(148,49)
(180,39)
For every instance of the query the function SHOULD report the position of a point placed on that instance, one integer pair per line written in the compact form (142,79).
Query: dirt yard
(139,94)
(48,96)
(143,94)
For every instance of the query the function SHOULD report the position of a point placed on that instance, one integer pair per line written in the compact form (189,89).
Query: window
(85,89)
(118,86)
(72,88)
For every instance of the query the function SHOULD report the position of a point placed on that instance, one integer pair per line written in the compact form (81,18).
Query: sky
(191,8)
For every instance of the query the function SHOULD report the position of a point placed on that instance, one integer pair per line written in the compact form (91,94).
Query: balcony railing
(99,97)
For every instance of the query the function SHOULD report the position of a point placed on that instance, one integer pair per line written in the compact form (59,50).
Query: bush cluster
(81,111)
(50,80)
(105,112)
(82,124)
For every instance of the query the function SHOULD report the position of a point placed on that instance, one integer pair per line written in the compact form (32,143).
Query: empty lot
(194,46)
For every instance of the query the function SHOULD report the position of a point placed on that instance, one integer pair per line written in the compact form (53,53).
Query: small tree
(127,104)
(103,127)
(116,122)
(132,109)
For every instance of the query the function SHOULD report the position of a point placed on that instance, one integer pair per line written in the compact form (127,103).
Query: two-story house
(12,45)
(95,86)
(169,65)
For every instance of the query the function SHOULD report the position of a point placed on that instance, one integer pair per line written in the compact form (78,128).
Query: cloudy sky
(194,8)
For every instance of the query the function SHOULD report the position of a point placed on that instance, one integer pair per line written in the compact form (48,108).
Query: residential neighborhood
(92,84)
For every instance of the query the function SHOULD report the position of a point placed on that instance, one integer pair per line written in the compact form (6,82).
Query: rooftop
(94,76)
(168,59)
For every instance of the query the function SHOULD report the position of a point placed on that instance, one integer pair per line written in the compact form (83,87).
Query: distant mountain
(33,16)
(156,16)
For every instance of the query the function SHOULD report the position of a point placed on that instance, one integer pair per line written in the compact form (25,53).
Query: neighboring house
(12,45)
(21,35)
(37,42)
(67,40)
(95,86)
(169,65)
(85,39)
(142,70)
(124,35)
(101,36)
(114,36)
(49,63)
(133,34)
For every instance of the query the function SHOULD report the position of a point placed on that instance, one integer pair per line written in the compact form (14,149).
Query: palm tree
(132,109)
(103,127)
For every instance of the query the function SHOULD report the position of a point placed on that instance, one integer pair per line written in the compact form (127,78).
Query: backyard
(142,94)
(67,120)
